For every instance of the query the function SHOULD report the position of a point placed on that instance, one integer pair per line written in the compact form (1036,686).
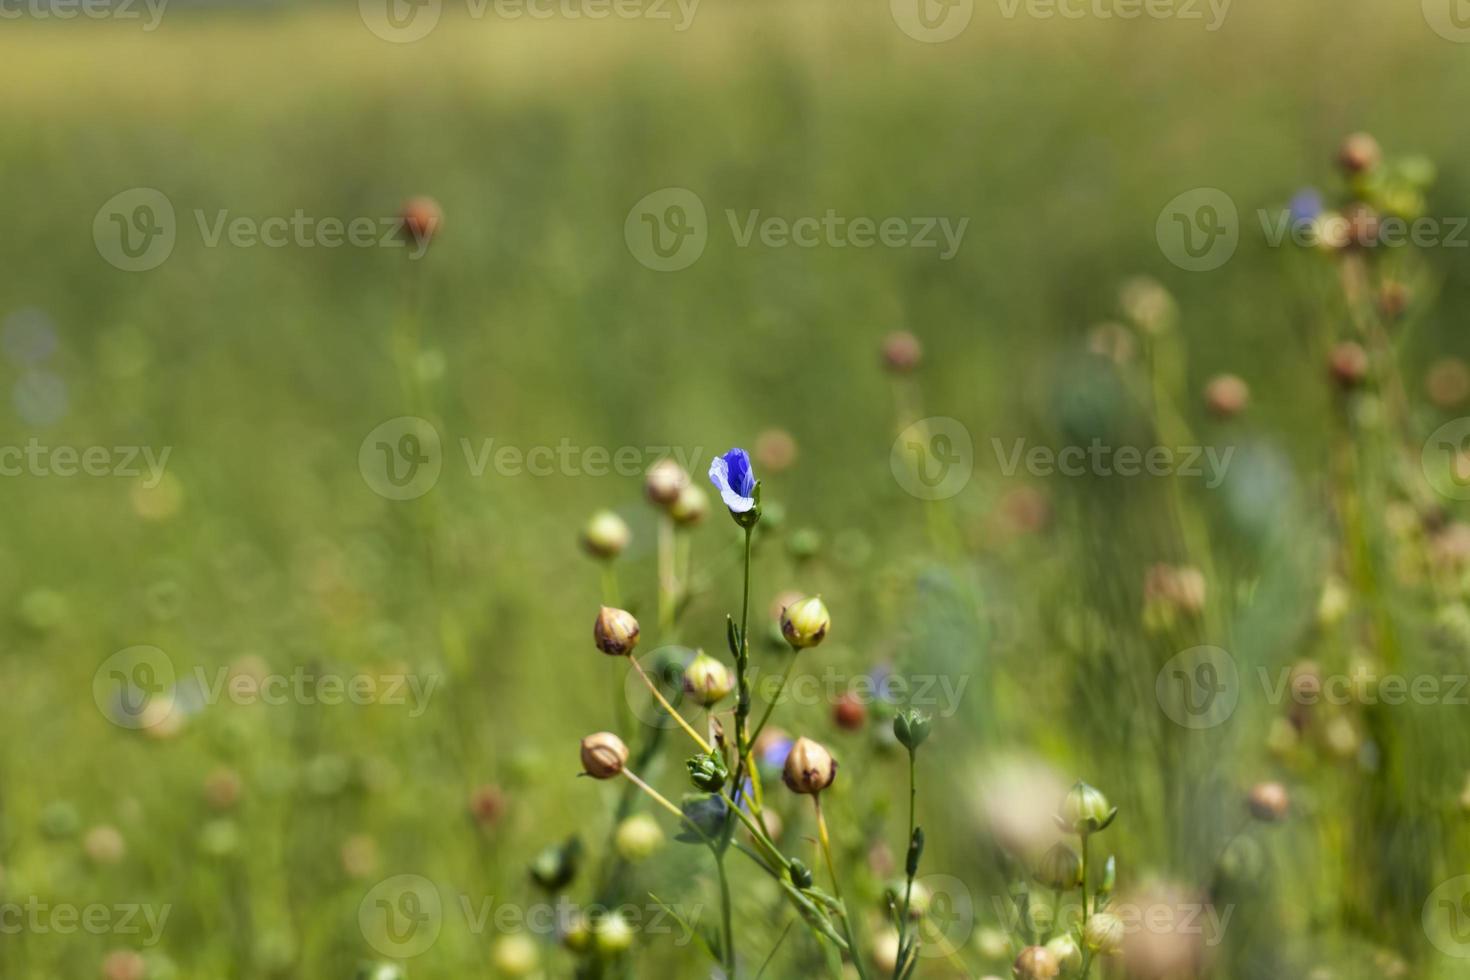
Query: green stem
(726,914)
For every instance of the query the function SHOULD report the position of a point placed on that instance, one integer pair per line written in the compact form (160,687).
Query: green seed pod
(801,875)
(911,728)
(1060,868)
(1085,810)
(708,772)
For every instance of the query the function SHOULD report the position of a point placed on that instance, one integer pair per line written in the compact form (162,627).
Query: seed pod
(1104,933)
(691,506)
(603,755)
(1035,963)
(1269,802)
(707,680)
(664,481)
(1348,364)
(616,631)
(1227,395)
(1060,868)
(1359,153)
(420,218)
(606,535)
(902,352)
(809,768)
(805,622)
(1085,810)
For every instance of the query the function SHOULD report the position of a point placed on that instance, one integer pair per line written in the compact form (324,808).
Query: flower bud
(1104,933)
(801,875)
(514,955)
(664,481)
(691,506)
(809,768)
(1067,953)
(556,864)
(612,935)
(1035,963)
(1085,810)
(805,622)
(1060,868)
(707,680)
(1268,802)
(420,218)
(606,535)
(616,631)
(708,772)
(576,934)
(637,837)
(603,755)
(902,352)
(1359,153)
(911,728)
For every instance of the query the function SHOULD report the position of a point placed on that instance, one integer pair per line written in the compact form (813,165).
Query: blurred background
(243,454)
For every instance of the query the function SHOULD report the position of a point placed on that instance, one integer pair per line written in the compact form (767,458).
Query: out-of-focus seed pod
(1035,963)
(421,218)
(487,804)
(1060,868)
(850,713)
(638,837)
(104,844)
(515,955)
(1348,364)
(1067,953)
(1269,802)
(1359,153)
(611,934)
(1104,933)
(775,450)
(606,535)
(664,481)
(1227,396)
(902,352)
(691,506)
(1448,382)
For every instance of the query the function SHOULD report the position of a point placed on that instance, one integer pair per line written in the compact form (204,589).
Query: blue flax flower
(732,476)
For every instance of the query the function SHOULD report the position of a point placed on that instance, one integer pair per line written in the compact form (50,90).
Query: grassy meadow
(235,541)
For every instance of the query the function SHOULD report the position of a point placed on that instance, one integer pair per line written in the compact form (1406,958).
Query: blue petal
(732,476)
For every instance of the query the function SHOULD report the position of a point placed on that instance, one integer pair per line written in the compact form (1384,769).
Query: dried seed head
(603,755)
(805,622)
(616,631)
(850,713)
(664,481)
(606,535)
(809,769)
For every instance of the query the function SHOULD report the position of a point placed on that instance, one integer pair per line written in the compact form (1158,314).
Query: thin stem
(771,704)
(826,842)
(908,890)
(653,688)
(726,914)
(1084,880)
(667,586)
(658,798)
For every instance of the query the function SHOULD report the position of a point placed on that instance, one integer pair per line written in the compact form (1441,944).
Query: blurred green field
(263,370)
